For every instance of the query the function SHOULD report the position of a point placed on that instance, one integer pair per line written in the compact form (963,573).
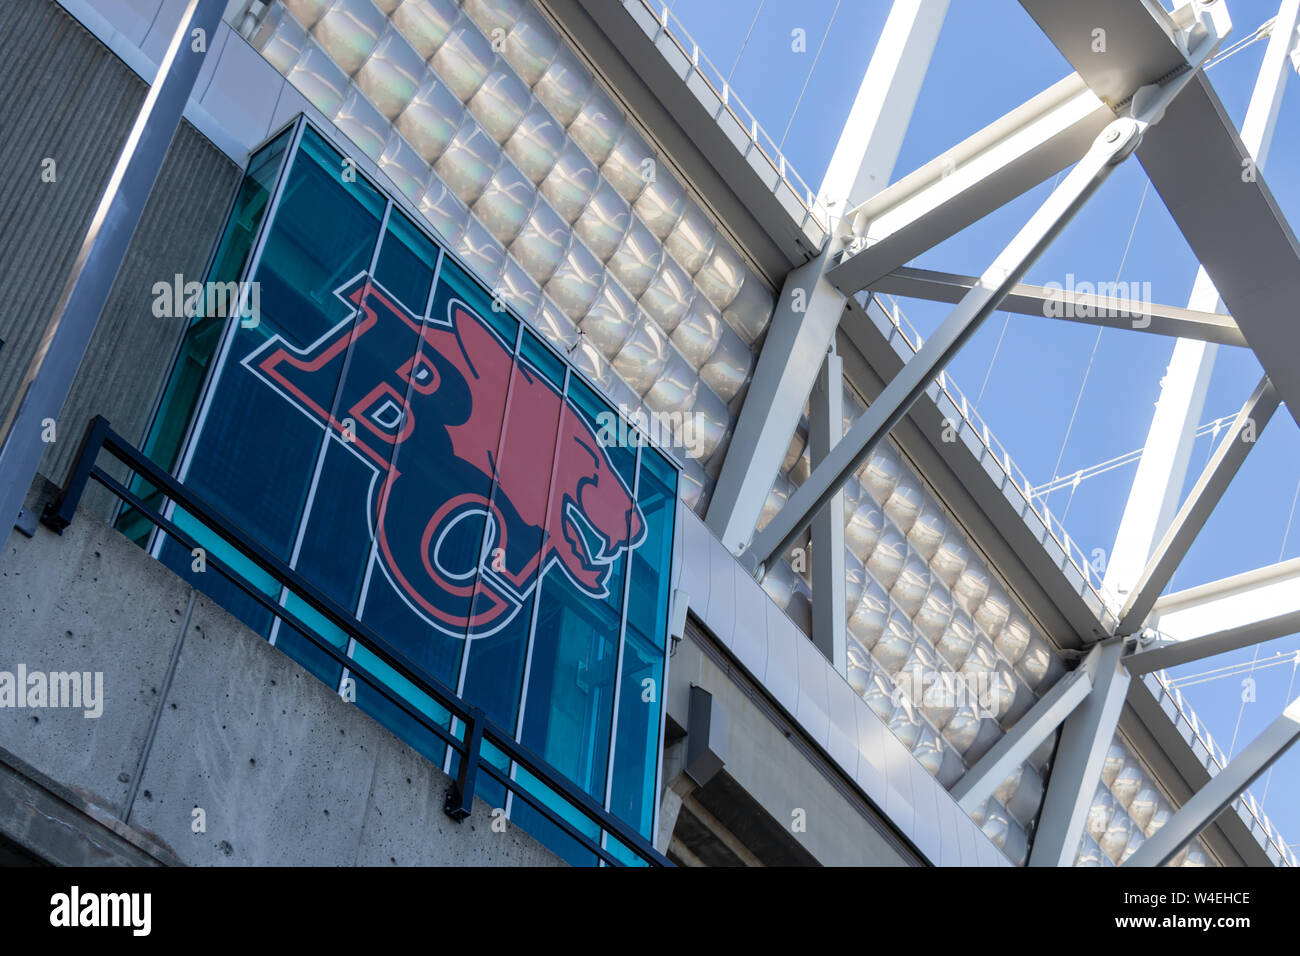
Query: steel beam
(809,309)
(1235,227)
(825,427)
(1109,149)
(873,133)
(798,336)
(1274,71)
(1070,305)
(1203,171)
(1222,616)
(1085,738)
(1029,732)
(1120,46)
(1205,496)
(1212,799)
(68,329)
(1162,470)
(1004,160)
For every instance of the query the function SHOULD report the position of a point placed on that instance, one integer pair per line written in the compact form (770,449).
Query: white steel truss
(1152,78)
(1108,307)
(1222,616)
(1113,145)
(1212,799)
(809,308)
(1163,466)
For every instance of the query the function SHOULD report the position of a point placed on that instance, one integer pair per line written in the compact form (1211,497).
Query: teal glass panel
(256,454)
(407,259)
(251,206)
(434,511)
(322,238)
(600,417)
(622,852)
(371,400)
(550,834)
(516,547)
(640,707)
(404,272)
(335,542)
(306,651)
(575,647)
(632,794)
(571,682)
(541,359)
(375,703)
(204,575)
(203,336)
(519,549)
(652,561)
(456,283)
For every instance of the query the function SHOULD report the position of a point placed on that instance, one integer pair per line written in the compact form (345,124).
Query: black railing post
(460,797)
(59,512)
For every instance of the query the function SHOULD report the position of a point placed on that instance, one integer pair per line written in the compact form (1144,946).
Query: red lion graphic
(444,404)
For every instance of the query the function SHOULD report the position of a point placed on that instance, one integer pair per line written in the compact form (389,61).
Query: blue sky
(990,58)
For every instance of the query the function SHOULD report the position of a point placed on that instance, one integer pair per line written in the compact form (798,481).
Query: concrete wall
(199,712)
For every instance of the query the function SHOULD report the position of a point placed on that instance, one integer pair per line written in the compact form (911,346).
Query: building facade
(452,310)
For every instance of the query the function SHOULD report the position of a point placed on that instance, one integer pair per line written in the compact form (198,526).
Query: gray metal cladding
(131,351)
(65,97)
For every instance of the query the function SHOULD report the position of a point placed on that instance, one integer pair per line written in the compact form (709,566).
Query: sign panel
(442,387)
(421,454)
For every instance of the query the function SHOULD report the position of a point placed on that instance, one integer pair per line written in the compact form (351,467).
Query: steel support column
(1085,738)
(825,427)
(802,328)
(68,330)
(1163,466)
(1212,799)
(867,152)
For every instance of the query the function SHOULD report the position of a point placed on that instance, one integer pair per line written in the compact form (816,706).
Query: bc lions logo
(434,406)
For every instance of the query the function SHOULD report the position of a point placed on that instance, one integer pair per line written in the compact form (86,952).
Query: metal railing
(478,729)
(668,26)
(1211,755)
